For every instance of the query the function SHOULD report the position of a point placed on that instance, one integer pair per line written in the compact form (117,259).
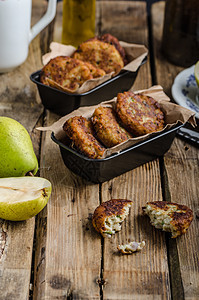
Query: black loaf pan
(63,103)
(100,170)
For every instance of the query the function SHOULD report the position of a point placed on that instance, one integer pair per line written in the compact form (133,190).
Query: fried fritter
(101,55)
(171,217)
(68,73)
(107,129)
(108,216)
(95,72)
(80,131)
(138,113)
(108,38)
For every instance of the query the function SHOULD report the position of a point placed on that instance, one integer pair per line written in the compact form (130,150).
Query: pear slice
(23,197)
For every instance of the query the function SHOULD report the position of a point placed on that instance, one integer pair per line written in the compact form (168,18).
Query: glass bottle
(78,22)
(180,43)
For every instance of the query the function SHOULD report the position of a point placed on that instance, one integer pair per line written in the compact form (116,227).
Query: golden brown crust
(100,54)
(139,114)
(108,38)
(80,131)
(113,207)
(95,72)
(181,215)
(68,73)
(107,129)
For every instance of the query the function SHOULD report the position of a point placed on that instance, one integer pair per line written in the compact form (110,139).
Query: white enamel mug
(16,32)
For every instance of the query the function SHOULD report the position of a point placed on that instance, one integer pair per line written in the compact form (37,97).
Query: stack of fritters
(93,59)
(101,55)
(68,74)
(138,113)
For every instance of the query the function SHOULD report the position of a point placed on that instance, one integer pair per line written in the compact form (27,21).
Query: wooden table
(58,254)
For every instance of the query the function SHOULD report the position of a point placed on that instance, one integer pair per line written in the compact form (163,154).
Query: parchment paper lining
(173,114)
(135,54)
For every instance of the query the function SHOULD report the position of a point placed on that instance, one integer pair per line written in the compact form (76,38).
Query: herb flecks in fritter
(67,73)
(171,217)
(80,131)
(108,130)
(101,55)
(108,38)
(138,113)
(108,216)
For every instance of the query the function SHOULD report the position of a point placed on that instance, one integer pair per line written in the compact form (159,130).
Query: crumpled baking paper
(173,114)
(135,53)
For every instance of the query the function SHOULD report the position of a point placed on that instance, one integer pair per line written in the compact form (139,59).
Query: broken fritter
(68,74)
(171,217)
(138,113)
(108,216)
(80,132)
(131,247)
(107,129)
(101,55)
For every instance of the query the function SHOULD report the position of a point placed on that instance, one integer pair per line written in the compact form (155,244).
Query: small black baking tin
(100,170)
(63,103)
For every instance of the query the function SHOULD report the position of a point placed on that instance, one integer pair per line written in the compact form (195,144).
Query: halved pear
(23,197)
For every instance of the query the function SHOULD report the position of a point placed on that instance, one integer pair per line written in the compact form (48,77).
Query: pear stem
(30,174)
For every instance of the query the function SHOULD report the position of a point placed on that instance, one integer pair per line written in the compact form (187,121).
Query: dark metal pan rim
(150,139)
(34,77)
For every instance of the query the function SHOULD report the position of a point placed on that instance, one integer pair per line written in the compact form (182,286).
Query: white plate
(185,89)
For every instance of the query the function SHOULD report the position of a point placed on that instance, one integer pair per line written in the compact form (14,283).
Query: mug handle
(44,21)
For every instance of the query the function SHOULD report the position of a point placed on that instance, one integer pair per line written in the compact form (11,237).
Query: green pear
(23,197)
(17,156)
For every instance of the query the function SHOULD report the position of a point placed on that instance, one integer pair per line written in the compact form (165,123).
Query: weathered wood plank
(66,264)
(17,237)
(71,255)
(16,240)
(181,187)
(142,275)
(19,99)
(68,211)
(123,19)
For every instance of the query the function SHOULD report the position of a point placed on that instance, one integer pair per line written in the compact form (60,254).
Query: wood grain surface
(58,254)
(19,99)
(180,185)
(145,273)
